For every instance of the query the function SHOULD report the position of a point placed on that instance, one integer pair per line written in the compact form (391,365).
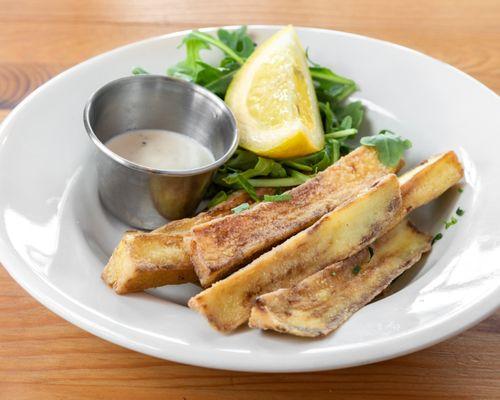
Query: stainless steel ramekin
(145,197)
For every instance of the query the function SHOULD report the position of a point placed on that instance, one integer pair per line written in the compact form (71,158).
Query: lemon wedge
(273,99)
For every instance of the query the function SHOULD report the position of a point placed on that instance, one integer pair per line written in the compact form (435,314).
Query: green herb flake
(450,223)
(390,147)
(242,207)
(460,190)
(333,273)
(278,197)
(356,270)
(460,212)
(439,236)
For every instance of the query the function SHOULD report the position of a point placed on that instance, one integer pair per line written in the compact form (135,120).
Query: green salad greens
(390,147)
(246,170)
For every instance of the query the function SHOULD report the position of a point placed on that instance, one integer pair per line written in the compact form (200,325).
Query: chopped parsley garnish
(460,190)
(278,197)
(356,270)
(460,212)
(240,208)
(334,273)
(439,236)
(450,223)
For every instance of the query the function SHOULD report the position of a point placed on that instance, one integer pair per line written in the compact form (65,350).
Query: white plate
(55,236)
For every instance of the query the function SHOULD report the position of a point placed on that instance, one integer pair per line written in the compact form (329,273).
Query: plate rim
(475,312)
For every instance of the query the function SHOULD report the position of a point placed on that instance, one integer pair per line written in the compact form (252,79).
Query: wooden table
(45,357)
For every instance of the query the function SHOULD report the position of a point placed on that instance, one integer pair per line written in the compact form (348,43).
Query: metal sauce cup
(145,197)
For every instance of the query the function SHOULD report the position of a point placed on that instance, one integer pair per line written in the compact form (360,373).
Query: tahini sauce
(160,149)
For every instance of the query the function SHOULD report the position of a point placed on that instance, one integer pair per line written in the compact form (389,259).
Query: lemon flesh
(272,97)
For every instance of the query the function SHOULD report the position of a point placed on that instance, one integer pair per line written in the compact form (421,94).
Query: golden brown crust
(183,226)
(227,300)
(221,246)
(430,179)
(337,235)
(145,260)
(322,302)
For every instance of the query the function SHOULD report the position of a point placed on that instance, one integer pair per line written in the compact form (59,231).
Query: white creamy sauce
(160,149)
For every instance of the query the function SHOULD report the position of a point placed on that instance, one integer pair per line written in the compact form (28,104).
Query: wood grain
(44,357)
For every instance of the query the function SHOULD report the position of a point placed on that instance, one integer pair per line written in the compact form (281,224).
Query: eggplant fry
(324,301)
(337,235)
(430,180)
(227,304)
(219,247)
(145,260)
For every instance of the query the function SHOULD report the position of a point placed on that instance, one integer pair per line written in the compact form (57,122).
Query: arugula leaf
(189,68)
(317,161)
(139,71)
(324,163)
(242,159)
(355,110)
(335,146)
(346,122)
(299,176)
(342,134)
(247,187)
(263,167)
(330,87)
(330,121)
(210,40)
(277,171)
(237,40)
(390,147)
(340,121)
(295,178)
(289,181)
(217,199)
(236,46)
(298,166)
(215,79)
(278,197)
(311,159)
(324,74)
